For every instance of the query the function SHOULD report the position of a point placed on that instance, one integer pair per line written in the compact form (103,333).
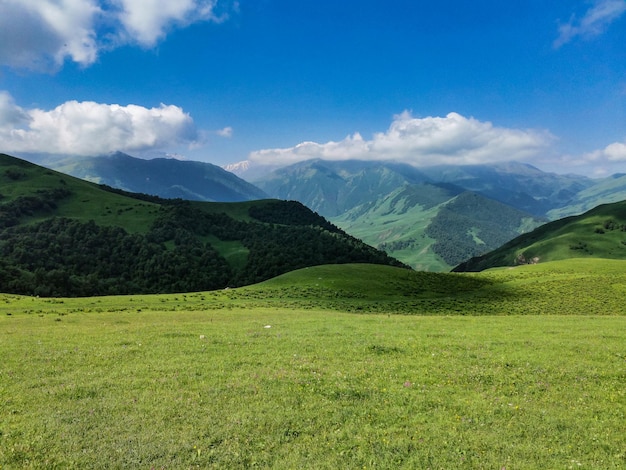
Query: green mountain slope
(164,177)
(412,213)
(435,227)
(62,236)
(598,233)
(397,224)
(332,188)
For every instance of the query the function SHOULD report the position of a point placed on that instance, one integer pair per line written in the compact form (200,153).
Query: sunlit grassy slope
(281,375)
(88,201)
(576,286)
(402,230)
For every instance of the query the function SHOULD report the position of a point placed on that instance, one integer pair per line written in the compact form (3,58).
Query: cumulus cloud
(89,128)
(594,22)
(42,34)
(453,139)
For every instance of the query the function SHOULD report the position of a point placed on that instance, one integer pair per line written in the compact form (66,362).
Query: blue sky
(278,81)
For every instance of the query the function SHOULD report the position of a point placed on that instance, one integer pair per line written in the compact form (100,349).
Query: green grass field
(330,367)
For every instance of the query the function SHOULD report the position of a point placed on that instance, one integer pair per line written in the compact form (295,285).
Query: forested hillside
(471,224)
(60,236)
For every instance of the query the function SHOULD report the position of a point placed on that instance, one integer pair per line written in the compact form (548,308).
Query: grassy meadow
(352,366)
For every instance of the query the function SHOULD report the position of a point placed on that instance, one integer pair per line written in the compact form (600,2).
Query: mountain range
(60,235)
(164,177)
(430,218)
(333,187)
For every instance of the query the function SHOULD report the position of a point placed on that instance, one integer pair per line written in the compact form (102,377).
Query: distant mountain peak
(250,170)
(176,156)
(162,176)
(238,168)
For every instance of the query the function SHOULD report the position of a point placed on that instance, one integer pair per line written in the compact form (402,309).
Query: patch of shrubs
(14,174)
(609,226)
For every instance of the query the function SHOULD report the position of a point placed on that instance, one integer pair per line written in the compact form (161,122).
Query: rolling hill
(62,236)
(598,233)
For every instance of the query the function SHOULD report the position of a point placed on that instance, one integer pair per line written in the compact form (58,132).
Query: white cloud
(593,23)
(11,115)
(612,153)
(227,132)
(452,139)
(42,34)
(147,21)
(616,152)
(89,128)
(603,162)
